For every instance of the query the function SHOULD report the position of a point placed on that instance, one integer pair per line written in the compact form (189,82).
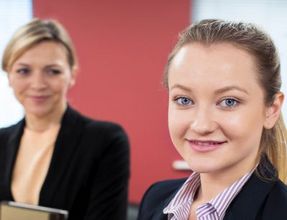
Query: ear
(73,77)
(273,111)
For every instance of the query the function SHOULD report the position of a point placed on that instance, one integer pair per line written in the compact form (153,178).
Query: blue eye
(229,103)
(184,101)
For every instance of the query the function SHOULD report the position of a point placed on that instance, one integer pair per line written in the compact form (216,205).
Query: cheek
(178,125)
(17,85)
(172,123)
(60,86)
(243,126)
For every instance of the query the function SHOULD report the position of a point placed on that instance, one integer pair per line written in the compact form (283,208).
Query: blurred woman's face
(216,108)
(41,78)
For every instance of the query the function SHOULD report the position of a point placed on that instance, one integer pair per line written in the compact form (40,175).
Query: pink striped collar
(179,206)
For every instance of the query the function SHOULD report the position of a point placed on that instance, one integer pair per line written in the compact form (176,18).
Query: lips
(205,145)
(39,98)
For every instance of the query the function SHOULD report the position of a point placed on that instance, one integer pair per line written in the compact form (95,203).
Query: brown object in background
(20,211)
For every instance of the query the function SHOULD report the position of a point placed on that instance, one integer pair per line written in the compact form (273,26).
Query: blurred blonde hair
(33,33)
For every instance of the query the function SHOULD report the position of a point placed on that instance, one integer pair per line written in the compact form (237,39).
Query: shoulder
(95,127)
(12,127)
(102,137)
(278,194)
(92,123)
(276,202)
(7,131)
(164,188)
(159,195)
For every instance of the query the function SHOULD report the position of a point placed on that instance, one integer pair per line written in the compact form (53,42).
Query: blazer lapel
(65,146)
(248,202)
(11,149)
(12,146)
(158,212)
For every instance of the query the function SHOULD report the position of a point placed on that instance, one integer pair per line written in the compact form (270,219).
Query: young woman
(223,80)
(55,156)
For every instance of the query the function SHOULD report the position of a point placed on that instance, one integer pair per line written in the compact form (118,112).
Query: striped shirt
(179,206)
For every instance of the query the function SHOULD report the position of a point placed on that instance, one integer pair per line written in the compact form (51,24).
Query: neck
(42,123)
(214,183)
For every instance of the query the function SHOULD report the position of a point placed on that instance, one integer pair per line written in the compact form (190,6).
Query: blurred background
(122,46)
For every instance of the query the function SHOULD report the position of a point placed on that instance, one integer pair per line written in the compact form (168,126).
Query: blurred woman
(223,80)
(55,156)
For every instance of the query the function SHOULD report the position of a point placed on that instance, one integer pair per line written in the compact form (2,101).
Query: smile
(39,98)
(206,145)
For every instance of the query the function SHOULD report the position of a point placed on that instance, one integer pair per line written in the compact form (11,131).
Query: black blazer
(258,200)
(88,173)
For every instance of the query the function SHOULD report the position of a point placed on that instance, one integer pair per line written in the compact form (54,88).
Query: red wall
(122,46)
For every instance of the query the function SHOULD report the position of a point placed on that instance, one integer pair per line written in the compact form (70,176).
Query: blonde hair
(250,38)
(33,33)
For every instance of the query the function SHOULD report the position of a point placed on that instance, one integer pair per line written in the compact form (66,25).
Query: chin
(38,112)
(203,167)
(203,170)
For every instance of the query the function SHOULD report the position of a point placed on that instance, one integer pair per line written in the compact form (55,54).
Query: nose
(38,80)
(203,121)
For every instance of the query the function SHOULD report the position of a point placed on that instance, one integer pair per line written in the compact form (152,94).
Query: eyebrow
(228,88)
(178,86)
(48,66)
(218,91)
(21,64)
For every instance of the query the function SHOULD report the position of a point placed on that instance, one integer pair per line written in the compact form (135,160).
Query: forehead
(219,63)
(46,50)
(214,51)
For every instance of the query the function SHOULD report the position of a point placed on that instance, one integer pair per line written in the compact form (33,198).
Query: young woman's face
(216,108)
(41,78)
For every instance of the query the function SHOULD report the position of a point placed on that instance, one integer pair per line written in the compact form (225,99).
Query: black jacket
(258,200)
(88,173)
